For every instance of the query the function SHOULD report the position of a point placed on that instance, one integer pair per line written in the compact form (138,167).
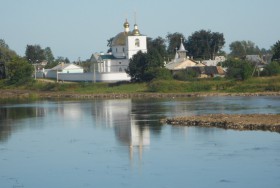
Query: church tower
(136,42)
(182,52)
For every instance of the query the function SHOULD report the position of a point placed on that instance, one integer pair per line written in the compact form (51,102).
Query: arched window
(137,42)
(120,69)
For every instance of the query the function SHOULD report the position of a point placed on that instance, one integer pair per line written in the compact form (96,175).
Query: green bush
(271,69)
(186,75)
(238,69)
(19,71)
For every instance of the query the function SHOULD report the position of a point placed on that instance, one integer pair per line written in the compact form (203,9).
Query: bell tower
(182,52)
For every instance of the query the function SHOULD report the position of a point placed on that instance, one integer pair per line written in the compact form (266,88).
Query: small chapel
(111,67)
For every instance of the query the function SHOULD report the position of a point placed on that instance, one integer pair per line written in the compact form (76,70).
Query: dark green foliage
(162,74)
(238,69)
(6,55)
(67,60)
(48,55)
(137,67)
(239,49)
(271,69)
(173,41)
(60,59)
(2,71)
(3,44)
(185,75)
(109,44)
(51,64)
(34,54)
(205,44)
(157,44)
(143,66)
(19,71)
(276,52)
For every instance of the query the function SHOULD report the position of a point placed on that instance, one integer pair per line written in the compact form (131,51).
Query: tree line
(200,45)
(17,70)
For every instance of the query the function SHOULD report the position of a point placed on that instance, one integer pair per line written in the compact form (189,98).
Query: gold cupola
(136,31)
(126,26)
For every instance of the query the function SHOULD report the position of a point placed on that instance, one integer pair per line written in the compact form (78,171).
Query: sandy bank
(269,122)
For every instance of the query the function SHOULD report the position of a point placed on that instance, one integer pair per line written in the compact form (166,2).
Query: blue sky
(78,28)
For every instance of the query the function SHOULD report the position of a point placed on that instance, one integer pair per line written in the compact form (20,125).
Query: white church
(108,67)
(111,67)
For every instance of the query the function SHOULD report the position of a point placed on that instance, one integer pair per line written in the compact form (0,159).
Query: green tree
(159,45)
(48,55)
(67,60)
(6,55)
(137,67)
(238,69)
(239,49)
(271,69)
(51,65)
(109,44)
(173,42)
(205,44)
(3,44)
(19,71)
(86,65)
(34,54)
(276,52)
(145,66)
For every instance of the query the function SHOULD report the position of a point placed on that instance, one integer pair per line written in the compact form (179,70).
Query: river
(121,143)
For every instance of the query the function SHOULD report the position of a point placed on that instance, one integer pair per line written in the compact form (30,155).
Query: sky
(78,28)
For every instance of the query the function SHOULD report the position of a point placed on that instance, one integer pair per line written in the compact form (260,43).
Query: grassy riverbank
(38,88)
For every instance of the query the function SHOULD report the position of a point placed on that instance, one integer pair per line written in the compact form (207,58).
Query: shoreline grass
(34,89)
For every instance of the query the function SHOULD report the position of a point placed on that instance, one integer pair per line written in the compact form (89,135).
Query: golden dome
(120,39)
(126,24)
(136,31)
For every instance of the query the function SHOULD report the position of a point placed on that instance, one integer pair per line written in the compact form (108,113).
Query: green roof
(107,57)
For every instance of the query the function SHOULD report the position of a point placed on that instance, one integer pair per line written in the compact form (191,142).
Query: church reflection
(118,114)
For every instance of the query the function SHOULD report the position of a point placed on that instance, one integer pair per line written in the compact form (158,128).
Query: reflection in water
(118,114)
(9,115)
(83,142)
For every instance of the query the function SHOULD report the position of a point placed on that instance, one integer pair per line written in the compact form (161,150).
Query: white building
(214,62)
(105,67)
(111,67)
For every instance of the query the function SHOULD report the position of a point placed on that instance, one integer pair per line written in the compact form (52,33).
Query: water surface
(120,143)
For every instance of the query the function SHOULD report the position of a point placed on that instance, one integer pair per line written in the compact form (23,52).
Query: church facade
(111,67)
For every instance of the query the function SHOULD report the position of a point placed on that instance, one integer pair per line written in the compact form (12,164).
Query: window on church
(137,42)
(120,62)
(120,69)
(116,49)
(123,49)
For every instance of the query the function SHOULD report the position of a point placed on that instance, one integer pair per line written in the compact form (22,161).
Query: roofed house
(68,68)
(62,68)
(214,62)
(179,65)
(181,61)
(208,71)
